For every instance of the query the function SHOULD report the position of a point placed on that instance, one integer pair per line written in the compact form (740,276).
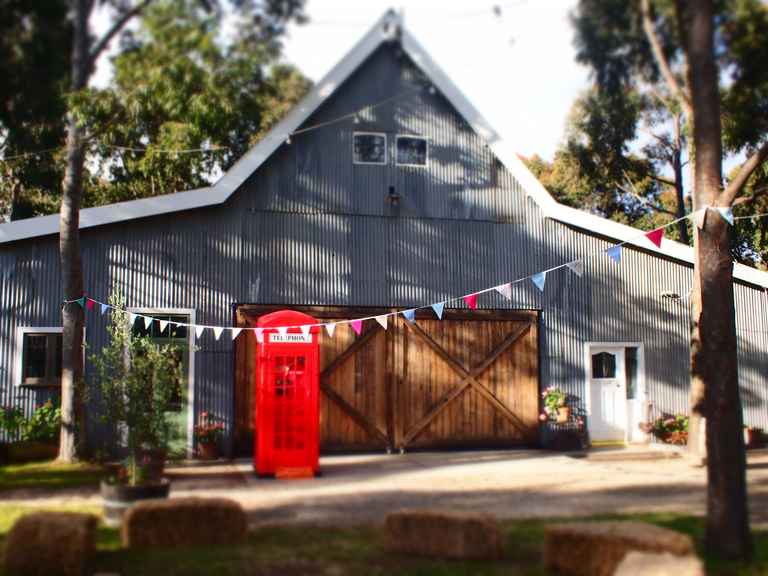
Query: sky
(518,68)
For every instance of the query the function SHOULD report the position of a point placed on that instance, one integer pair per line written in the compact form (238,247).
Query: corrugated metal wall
(310,227)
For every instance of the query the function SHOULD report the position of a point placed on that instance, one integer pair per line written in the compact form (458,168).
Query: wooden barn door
(468,380)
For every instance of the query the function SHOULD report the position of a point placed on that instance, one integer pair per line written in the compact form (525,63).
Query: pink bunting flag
(357,326)
(89,304)
(330,328)
(259,335)
(655,236)
(471,301)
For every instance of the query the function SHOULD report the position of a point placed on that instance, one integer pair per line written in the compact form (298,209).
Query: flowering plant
(554,399)
(209,429)
(669,428)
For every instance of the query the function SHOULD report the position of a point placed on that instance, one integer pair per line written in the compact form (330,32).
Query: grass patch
(48,475)
(293,550)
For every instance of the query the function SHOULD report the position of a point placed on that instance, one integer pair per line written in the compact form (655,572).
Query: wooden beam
(349,352)
(444,401)
(353,413)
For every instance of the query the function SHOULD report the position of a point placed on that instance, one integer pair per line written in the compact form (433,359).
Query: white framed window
(369,148)
(38,356)
(412,151)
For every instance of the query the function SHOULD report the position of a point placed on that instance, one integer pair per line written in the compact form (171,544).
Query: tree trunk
(713,344)
(677,166)
(72,421)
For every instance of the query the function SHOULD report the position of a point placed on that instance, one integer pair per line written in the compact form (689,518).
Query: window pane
(412,151)
(370,148)
(35,347)
(603,365)
(630,365)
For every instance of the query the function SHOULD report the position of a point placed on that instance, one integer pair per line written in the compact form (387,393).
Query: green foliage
(45,423)
(35,40)
(136,380)
(209,429)
(177,87)
(12,420)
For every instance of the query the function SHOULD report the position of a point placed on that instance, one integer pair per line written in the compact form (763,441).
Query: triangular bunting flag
(305,329)
(81,301)
(700,218)
(104,309)
(410,315)
(438,308)
(163,324)
(330,328)
(259,334)
(147,322)
(727,213)
(217,332)
(471,300)
(236,332)
(199,331)
(577,267)
(614,253)
(382,320)
(539,280)
(132,318)
(282,330)
(357,326)
(655,236)
(89,304)
(505,290)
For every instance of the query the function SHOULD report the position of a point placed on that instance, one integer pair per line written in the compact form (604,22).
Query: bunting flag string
(538,279)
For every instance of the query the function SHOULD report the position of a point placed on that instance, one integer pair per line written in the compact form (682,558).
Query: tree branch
(118,25)
(662,180)
(728,195)
(756,194)
(661,59)
(632,192)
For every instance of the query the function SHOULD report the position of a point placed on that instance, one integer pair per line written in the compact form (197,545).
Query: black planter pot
(118,498)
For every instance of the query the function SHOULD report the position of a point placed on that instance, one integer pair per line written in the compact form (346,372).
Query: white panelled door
(607,395)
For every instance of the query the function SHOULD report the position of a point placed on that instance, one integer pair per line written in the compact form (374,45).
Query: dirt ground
(509,484)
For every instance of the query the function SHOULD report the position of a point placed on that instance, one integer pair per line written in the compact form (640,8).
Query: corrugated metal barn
(385,189)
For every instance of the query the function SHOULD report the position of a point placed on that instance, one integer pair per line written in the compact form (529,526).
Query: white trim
(413,137)
(363,133)
(383,30)
(18,352)
(642,389)
(190,312)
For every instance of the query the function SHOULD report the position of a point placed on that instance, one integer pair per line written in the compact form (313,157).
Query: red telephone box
(287,439)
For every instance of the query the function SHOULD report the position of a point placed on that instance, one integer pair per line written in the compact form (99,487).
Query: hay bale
(47,543)
(597,548)
(444,534)
(650,564)
(181,522)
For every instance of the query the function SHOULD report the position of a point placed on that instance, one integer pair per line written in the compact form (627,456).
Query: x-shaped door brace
(337,399)
(468,378)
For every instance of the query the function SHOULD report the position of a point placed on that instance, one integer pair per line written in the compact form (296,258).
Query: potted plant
(753,437)
(555,405)
(208,433)
(670,429)
(135,380)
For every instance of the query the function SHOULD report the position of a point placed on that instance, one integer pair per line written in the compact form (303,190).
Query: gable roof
(388,27)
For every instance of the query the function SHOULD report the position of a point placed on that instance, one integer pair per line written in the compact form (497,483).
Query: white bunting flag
(163,324)
(577,267)
(236,332)
(700,218)
(330,328)
(727,213)
(382,320)
(259,335)
(217,332)
(132,318)
(199,331)
(505,290)
(147,322)
(305,329)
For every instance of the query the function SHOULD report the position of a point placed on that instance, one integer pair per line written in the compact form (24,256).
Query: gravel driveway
(510,484)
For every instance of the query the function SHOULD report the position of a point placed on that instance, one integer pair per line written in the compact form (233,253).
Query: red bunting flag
(357,326)
(655,236)
(471,301)
(89,304)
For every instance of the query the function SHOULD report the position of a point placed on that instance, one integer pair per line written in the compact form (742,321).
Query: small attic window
(411,151)
(369,148)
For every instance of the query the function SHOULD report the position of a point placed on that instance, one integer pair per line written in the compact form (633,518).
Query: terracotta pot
(207,450)
(118,498)
(563,414)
